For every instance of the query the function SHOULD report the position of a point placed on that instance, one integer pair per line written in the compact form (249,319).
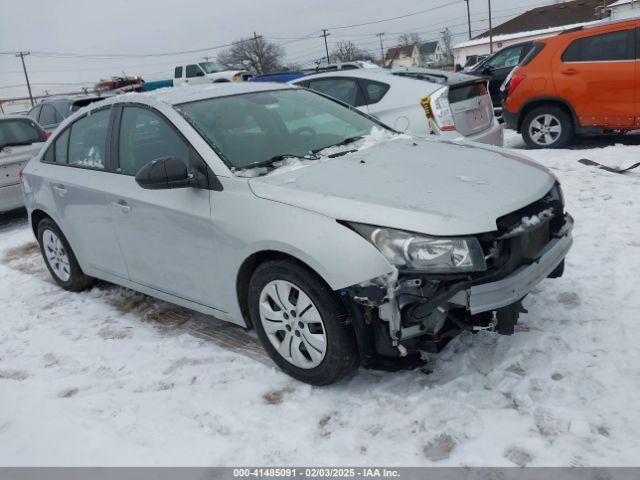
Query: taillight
(46,135)
(438,109)
(515,81)
(21,175)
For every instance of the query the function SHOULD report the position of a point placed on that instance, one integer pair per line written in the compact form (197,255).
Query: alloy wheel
(545,129)
(56,255)
(293,324)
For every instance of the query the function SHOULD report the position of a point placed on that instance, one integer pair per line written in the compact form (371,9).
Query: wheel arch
(540,101)
(37,216)
(250,264)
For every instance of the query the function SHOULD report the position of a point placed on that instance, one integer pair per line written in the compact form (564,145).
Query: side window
(62,147)
(88,140)
(374,91)
(194,71)
(600,48)
(34,112)
(48,115)
(146,136)
(637,43)
(506,58)
(345,89)
(178,72)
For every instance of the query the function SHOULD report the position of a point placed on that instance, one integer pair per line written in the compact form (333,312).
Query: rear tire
(301,323)
(60,259)
(547,126)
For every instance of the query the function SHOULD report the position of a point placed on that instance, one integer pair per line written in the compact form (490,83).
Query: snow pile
(528,222)
(94,379)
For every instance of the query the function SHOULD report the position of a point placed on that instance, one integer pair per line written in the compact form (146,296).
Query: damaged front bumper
(423,312)
(492,296)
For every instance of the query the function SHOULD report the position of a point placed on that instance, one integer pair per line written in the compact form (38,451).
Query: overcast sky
(125,28)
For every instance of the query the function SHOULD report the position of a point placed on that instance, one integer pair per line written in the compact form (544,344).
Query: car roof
(190,93)
(13,116)
(597,26)
(369,73)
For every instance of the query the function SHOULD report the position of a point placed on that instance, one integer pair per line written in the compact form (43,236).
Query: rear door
(471,107)
(597,75)
(77,172)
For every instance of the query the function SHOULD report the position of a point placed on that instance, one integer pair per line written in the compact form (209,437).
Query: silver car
(20,139)
(418,101)
(277,208)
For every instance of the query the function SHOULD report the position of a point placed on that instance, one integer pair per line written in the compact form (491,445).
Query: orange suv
(585,80)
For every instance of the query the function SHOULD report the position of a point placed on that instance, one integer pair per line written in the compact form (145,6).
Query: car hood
(432,187)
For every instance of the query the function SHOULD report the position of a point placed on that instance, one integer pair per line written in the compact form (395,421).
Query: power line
(395,18)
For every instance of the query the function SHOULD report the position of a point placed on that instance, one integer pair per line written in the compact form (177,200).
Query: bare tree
(447,46)
(409,39)
(254,54)
(347,51)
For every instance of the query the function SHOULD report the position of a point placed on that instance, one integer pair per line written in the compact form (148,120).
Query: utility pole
(258,52)
(468,18)
(22,55)
(490,30)
(326,47)
(380,35)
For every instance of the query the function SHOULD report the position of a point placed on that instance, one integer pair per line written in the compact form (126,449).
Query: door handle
(569,71)
(61,189)
(122,205)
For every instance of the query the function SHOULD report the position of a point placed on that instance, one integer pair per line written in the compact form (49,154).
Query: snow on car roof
(184,94)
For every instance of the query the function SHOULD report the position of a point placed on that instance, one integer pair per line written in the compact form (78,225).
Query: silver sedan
(342,242)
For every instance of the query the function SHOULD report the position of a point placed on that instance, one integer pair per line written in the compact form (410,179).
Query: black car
(50,112)
(497,66)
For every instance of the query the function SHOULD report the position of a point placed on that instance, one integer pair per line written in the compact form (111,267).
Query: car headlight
(418,252)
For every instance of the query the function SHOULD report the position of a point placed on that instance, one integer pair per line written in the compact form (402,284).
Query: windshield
(253,128)
(18,132)
(209,67)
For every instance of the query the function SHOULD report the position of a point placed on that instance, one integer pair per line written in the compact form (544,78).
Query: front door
(166,236)
(500,66)
(597,75)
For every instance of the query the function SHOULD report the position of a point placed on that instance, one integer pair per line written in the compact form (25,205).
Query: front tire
(547,126)
(60,259)
(301,323)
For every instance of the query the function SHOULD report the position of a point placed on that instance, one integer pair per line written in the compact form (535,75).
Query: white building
(623,9)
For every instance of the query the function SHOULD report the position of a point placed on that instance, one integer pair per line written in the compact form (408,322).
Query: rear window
(466,92)
(78,104)
(374,91)
(533,53)
(19,132)
(601,48)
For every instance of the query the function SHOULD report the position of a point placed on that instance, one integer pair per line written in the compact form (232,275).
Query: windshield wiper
(278,158)
(346,141)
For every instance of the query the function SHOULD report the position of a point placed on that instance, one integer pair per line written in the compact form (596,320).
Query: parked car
(278,208)
(289,76)
(206,72)
(20,139)
(417,101)
(498,66)
(50,112)
(582,81)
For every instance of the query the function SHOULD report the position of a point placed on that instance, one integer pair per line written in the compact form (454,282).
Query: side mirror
(487,70)
(165,173)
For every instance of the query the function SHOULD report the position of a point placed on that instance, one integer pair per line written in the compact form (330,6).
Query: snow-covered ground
(109,377)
